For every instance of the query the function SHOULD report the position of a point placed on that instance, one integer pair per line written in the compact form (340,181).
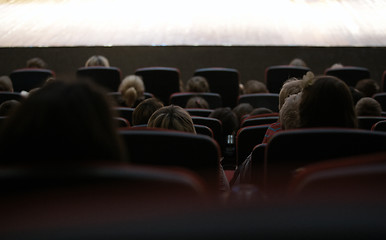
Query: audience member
(197,102)
(132,89)
(368,87)
(6,84)
(7,107)
(97,60)
(368,106)
(261,110)
(176,118)
(336,65)
(197,84)
(289,112)
(242,110)
(144,110)
(172,117)
(254,86)
(228,118)
(230,126)
(63,122)
(241,89)
(326,102)
(298,62)
(291,86)
(36,63)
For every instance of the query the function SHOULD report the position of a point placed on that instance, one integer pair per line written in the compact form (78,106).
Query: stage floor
(201,22)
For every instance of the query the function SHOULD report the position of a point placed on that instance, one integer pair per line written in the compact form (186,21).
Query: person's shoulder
(275,126)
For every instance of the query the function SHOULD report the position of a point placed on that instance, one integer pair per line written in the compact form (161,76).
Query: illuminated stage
(192,23)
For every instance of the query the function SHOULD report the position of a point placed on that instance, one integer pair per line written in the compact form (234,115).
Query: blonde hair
(294,86)
(172,117)
(289,112)
(131,89)
(97,60)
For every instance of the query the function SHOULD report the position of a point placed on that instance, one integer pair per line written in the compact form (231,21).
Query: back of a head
(368,87)
(298,62)
(242,109)
(293,86)
(368,106)
(36,63)
(289,112)
(228,118)
(97,60)
(172,117)
(197,102)
(131,88)
(6,84)
(327,102)
(261,110)
(197,84)
(145,109)
(254,86)
(63,122)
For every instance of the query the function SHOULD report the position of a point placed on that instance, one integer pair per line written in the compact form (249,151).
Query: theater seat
(342,180)
(349,74)
(65,196)
(168,148)
(106,77)
(25,79)
(275,76)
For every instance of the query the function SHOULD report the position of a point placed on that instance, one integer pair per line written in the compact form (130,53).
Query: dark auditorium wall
(251,61)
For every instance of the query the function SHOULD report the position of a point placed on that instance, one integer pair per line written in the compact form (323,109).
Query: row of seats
(124,202)
(164,81)
(273,164)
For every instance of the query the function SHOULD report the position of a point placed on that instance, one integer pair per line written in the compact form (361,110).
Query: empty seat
(350,74)
(224,81)
(26,79)
(160,81)
(106,77)
(214,99)
(275,76)
(266,100)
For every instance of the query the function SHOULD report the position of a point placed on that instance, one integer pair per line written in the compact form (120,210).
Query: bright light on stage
(199,22)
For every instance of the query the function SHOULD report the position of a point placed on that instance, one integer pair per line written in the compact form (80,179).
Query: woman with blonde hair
(132,89)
